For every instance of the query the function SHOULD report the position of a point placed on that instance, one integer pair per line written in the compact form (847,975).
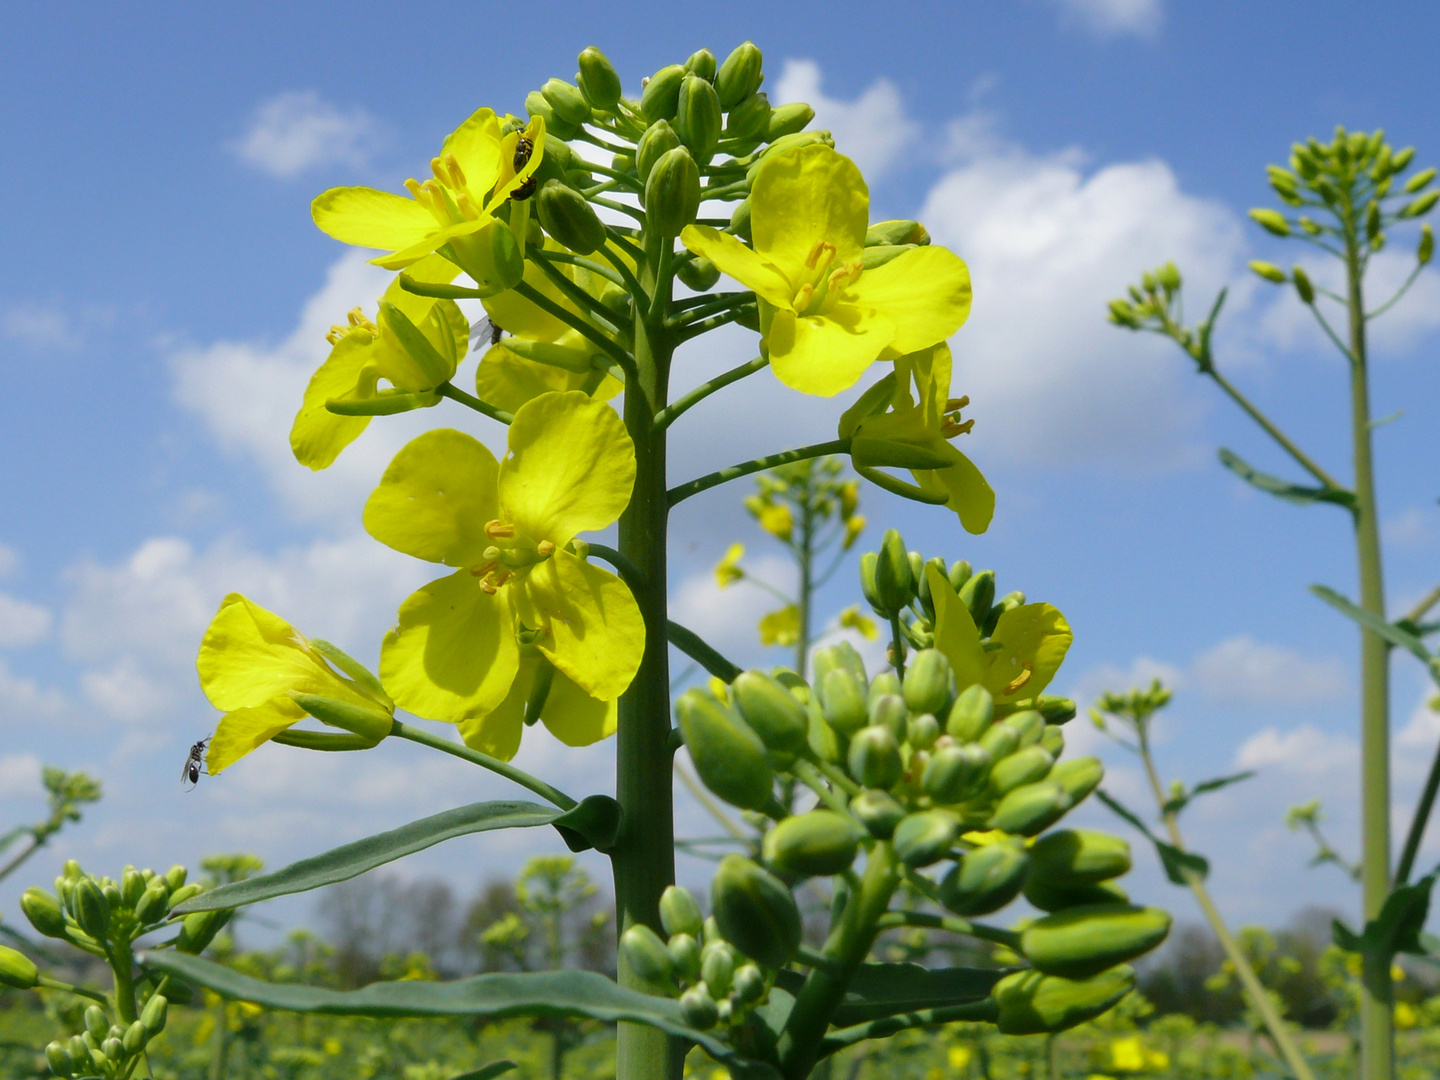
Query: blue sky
(167,295)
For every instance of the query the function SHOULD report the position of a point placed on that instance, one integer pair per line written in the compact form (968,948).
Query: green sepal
(367,722)
(323,741)
(565,357)
(384,403)
(348,665)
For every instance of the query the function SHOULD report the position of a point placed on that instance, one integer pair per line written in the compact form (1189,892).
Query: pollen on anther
(499,530)
(546,548)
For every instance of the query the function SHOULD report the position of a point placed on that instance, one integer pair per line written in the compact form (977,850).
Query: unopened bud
(1078,776)
(922,731)
(1169,277)
(1079,943)
(749,983)
(44,912)
(536,104)
(739,76)
(1268,271)
(661,96)
(113,1049)
(153,1015)
(755,911)
(199,929)
(17,969)
(1055,709)
(925,838)
(788,120)
(1303,285)
(717,967)
(818,844)
(697,119)
(697,1008)
(929,682)
(598,79)
(729,756)
(1272,221)
(1025,766)
(698,273)
(772,710)
(569,218)
(978,594)
(1030,1003)
(95,1022)
(672,192)
(842,700)
(986,879)
(92,910)
(61,1063)
(645,954)
(154,903)
(878,811)
(1426,249)
(874,757)
(185,892)
(894,583)
(749,119)
(567,101)
(954,773)
(1418,181)
(684,953)
(133,1041)
(1421,206)
(1031,809)
(679,913)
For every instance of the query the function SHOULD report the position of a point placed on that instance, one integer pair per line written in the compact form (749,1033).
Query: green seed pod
(43,911)
(978,594)
(1053,740)
(717,967)
(739,76)
(874,757)
(986,879)
(703,64)
(645,954)
(598,79)
(925,838)
(898,231)
(922,731)
(61,1063)
(1025,766)
(1029,724)
(749,119)
(199,929)
(894,584)
(954,773)
(131,886)
(659,139)
(698,273)
(727,754)
(17,969)
(697,1008)
(788,120)
(1078,943)
(684,953)
(929,682)
(1000,741)
(888,710)
(772,710)
(133,1041)
(1078,776)
(183,893)
(92,910)
(661,96)
(740,223)
(1071,857)
(878,812)
(887,682)
(842,700)
(755,911)
(153,1015)
(567,101)
(960,572)
(697,119)
(1033,1004)
(672,192)
(1050,897)
(679,913)
(154,903)
(817,844)
(1055,709)
(95,1022)
(749,983)
(1031,809)
(113,1049)
(971,714)
(566,216)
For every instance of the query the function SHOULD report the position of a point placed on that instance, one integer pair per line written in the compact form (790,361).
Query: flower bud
(661,96)
(17,969)
(929,682)
(1031,1003)
(1272,221)
(1000,741)
(645,954)
(1078,943)
(679,914)
(1055,709)
(1303,285)
(598,79)
(894,584)
(154,903)
(61,1063)
(133,1041)
(1401,161)
(922,731)
(1420,206)
(788,120)
(878,812)
(1029,725)
(697,1008)
(925,838)
(672,192)
(1046,896)
(954,773)
(717,967)
(727,754)
(113,1049)
(1072,857)
(1418,181)
(740,219)
(739,76)
(874,757)
(95,1022)
(92,910)
(131,886)
(978,594)
(153,1015)
(175,877)
(1268,271)
(536,104)
(703,64)
(698,273)
(818,844)
(970,716)
(79,1051)
(43,911)
(986,879)
(1053,740)
(749,119)
(755,911)
(565,215)
(697,118)
(842,700)
(185,892)
(772,710)
(749,983)
(1031,809)
(659,138)
(1078,776)
(684,953)
(567,101)
(1025,766)
(199,929)
(1426,250)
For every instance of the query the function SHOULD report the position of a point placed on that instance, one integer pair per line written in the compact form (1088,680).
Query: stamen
(803,297)
(453,172)
(437,167)
(951,428)
(851,271)
(498,530)
(492,554)
(1019,681)
(821,248)
(546,548)
(484,569)
(467,206)
(957,403)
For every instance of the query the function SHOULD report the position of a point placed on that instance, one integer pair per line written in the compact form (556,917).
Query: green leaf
(1396,929)
(880,990)
(351,860)
(595,823)
(583,994)
(1175,805)
(1283,489)
(487,1072)
(1176,863)
(1374,623)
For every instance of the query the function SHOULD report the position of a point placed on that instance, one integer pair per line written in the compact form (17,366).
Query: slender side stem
(806,558)
(589,264)
(485,761)
(976,1011)
(810,776)
(627,276)
(1420,610)
(704,326)
(79,991)
(576,323)
(897,644)
(695,647)
(1009,938)
(1302,458)
(1399,293)
(1418,823)
(734,472)
(14,864)
(454,393)
(668,415)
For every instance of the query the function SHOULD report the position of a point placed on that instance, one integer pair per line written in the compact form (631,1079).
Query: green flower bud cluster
(104,1049)
(717,976)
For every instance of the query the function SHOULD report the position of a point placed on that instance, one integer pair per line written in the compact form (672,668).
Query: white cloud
(872,130)
(294,132)
(125,692)
(9,561)
(1302,750)
(1112,679)
(19,775)
(1112,18)
(22,623)
(1411,528)
(1241,669)
(23,699)
(40,327)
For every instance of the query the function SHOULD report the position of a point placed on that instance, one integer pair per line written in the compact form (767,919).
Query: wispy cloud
(40,326)
(1116,18)
(294,132)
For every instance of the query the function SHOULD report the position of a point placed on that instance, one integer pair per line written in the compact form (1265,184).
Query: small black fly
(195,763)
(523,149)
(484,330)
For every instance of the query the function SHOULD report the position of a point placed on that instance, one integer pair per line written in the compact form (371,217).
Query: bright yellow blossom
(252,663)
(455,652)
(475,172)
(777,520)
(824,318)
(1127,1055)
(727,570)
(781,627)
(852,618)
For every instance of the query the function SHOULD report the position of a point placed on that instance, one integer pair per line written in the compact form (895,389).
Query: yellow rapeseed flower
(781,627)
(727,570)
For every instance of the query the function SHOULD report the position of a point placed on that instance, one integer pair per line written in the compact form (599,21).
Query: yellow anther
(413,186)
(821,248)
(453,173)
(489,587)
(498,530)
(851,271)
(803,297)
(483,570)
(1017,682)
(546,548)
(335,334)
(468,209)
(437,167)
(951,428)
(957,403)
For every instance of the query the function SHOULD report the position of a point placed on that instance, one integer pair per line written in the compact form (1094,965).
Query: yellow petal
(476,146)
(244,729)
(249,656)
(431,270)
(825,354)
(516,315)
(576,718)
(570,469)
(781,627)
(970,494)
(452,652)
(431,242)
(594,631)
(435,499)
(1035,639)
(806,195)
(925,292)
(498,732)
(508,381)
(743,264)
(318,435)
(955,633)
(369,218)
